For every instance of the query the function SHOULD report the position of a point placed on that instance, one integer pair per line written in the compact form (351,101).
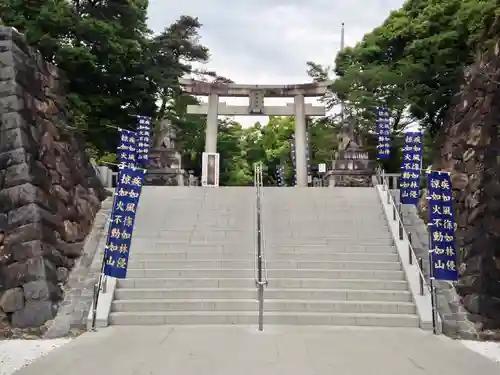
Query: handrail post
(400,226)
(259,277)
(421,279)
(410,250)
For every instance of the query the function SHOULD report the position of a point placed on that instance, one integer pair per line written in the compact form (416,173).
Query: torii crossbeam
(256,95)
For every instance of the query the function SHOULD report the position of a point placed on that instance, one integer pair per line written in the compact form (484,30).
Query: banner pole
(101,282)
(431,285)
(441,241)
(98,286)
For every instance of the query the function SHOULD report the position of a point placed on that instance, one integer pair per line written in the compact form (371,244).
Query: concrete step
(336,274)
(190,273)
(377,307)
(150,246)
(352,241)
(283,283)
(332,265)
(339,234)
(208,251)
(192,264)
(273,264)
(333,257)
(328,249)
(317,256)
(323,225)
(270,318)
(159,283)
(197,242)
(269,294)
(274,273)
(191,293)
(277,305)
(338,294)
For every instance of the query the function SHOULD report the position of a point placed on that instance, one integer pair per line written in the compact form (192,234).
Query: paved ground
(236,350)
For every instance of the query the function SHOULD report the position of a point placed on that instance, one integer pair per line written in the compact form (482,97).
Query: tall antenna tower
(342,41)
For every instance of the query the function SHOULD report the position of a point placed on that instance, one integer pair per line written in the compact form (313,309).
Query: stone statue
(166,135)
(164,159)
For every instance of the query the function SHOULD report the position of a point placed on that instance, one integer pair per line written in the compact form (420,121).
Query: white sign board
(210,169)
(322,168)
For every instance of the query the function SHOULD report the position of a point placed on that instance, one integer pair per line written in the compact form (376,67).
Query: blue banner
(144,133)
(383,134)
(441,226)
(308,157)
(292,150)
(411,166)
(127,148)
(128,190)
(280,175)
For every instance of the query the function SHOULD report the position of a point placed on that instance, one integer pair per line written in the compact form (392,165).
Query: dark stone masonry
(49,192)
(470,150)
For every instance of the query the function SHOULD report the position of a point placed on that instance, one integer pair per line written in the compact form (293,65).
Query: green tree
(100,46)
(171,54)
(114,66)
(230,148)
(415,60)
(46,23)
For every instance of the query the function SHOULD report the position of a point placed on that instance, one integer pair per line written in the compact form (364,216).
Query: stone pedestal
(352,168)
(351,179)
(164,168)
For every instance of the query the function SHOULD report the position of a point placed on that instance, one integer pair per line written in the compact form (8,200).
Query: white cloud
(269,41)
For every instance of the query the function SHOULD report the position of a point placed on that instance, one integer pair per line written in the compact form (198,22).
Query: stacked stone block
(49,192)
(470,147)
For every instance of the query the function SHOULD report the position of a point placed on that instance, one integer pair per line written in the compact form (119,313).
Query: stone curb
(73,310)
(422,303)
(104,305)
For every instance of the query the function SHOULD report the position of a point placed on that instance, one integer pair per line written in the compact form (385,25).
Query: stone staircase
(192,259)
(330,260)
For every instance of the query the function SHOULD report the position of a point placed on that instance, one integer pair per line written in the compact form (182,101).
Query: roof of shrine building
(194,87)
(352,146)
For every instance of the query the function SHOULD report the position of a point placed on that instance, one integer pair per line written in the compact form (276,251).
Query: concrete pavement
(241,350)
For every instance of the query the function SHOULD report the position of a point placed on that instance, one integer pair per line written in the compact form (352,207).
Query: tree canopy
(414,62)
(117,68)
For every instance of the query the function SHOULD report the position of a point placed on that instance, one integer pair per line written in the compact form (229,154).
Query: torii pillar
(256,94)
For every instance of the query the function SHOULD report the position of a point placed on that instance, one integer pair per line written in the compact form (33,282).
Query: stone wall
(470,150)
(49,192)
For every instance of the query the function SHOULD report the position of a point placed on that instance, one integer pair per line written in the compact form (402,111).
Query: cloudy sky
(269,41)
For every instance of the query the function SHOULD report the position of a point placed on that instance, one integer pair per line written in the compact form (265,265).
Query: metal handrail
(396,216)
(262,233)
(260,229)
(260,268)
(257,221)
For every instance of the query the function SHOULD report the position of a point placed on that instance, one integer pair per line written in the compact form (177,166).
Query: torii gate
(256,95)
